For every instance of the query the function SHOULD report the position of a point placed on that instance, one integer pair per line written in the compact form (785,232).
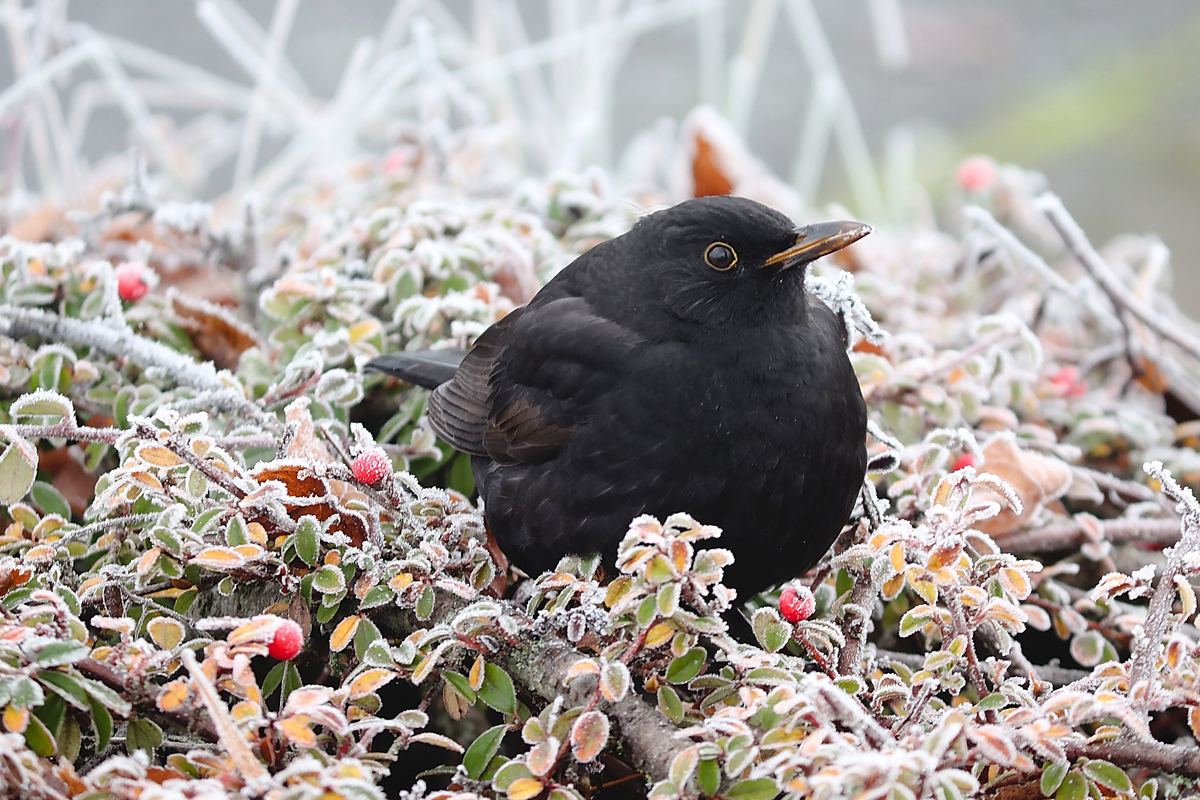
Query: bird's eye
(720,256)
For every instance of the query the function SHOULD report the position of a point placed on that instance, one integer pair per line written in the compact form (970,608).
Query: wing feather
(531,380)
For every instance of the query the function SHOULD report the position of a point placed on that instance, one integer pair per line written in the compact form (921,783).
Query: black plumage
(679,367)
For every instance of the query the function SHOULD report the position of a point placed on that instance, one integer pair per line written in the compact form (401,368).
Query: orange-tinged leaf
(245,710)
(16,720)
(945,577)
(897,556)
(217,558)
(147,480)
(147,560)
(259,629)
(943,557)
(584,666)
(166,594)
(369,681)
(942,493)
(1016,582)
(248,551)
(589,734)
(400,582)
(925,589)
(158,456)
(708,177)
(39,554)
(165,632)
(524,789)
(476,674)
(680,554)
(256,533)
(659,634)
(172,695)
(343,633)
(296,729)
(892,586)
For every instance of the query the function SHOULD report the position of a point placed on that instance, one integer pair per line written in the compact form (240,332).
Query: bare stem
(1121,296)
(1072,534)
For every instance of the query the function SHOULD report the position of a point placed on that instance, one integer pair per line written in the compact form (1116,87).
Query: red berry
(965,460)
(288,641)
(796,603)
(395,161)
(371,465)
(976,174)
(131,281)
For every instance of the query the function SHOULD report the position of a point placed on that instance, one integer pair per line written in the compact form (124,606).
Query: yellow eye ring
(720,256)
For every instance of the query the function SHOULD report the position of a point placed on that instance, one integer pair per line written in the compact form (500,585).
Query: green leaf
(273,679)
(497,689)
(18,467)
(307,539)
(753,789)
(102,724)
(992,702)
(69,739)
(708,775)
(69,597)
(1052,777)
(669,704)
(1108,775)
(38,737)
(851,684)
(647,611)
(43,404)
(770,631)
(142,734)
(329,580)
(460,684)
(206,518)
(508,774)
(108,697)
(1074,787)
(914,620)
(425,603)
(65,687)
(483,750)
(235,531)
(185,600)
(55,654)
(366,634)
(291,682)
(376,596)
(50,500)
(25,693)
(328,610)
(461,478)
(686,666)
(51,713)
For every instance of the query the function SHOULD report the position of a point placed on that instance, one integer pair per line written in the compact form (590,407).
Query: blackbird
(679,367)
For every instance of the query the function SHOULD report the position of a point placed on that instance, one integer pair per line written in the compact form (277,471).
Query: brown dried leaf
(1037,479)
(215,331)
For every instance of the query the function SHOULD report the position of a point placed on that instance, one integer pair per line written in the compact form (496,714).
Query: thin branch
(123,343)
(1121,296)
(1068,535)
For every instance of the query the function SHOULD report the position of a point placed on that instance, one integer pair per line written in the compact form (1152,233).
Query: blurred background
(849,101)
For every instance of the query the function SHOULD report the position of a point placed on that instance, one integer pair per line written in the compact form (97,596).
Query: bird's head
(731,262)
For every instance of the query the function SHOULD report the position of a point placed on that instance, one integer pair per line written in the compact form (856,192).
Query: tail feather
(428,368)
